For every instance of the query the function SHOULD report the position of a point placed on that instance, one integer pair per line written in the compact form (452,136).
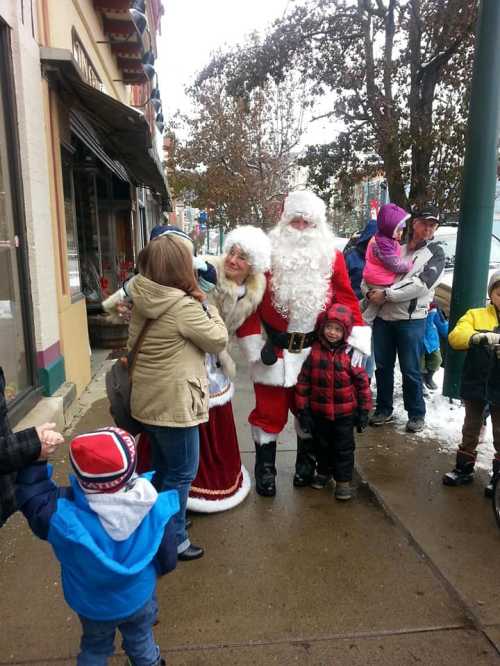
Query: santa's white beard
(301,270)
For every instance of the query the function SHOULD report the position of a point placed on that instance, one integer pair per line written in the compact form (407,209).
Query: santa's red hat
(103,460)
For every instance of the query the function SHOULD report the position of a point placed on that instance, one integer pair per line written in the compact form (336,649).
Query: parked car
(447,236)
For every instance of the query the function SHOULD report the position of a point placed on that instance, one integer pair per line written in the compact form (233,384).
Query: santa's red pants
(272,404)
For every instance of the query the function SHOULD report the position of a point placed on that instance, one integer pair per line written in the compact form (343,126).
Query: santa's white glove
(489,338)
(358,358)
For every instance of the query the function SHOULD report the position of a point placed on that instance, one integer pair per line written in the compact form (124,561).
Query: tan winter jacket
(169,382)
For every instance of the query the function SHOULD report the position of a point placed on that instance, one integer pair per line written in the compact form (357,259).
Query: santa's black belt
(293,342)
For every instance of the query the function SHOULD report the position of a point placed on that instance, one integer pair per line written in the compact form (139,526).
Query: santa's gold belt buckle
(296,344)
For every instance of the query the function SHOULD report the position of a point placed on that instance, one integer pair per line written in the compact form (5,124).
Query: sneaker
(415,425)
(320,481)
(379,418)
(343,491)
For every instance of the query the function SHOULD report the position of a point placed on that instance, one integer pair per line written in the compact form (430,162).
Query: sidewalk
(403,574)
(453,528)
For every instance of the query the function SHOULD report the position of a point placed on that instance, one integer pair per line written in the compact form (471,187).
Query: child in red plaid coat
(332,397)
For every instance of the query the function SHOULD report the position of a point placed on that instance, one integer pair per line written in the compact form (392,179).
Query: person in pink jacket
(383,255)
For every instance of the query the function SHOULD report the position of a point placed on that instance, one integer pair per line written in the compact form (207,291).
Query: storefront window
(12,339)
(70,217)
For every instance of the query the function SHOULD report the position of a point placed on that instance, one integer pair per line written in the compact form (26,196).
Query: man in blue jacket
(113,535)
(355,257)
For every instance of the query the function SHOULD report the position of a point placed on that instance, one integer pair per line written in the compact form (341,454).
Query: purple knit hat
(389,217)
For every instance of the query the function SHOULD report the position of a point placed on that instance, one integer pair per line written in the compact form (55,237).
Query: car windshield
(449,244)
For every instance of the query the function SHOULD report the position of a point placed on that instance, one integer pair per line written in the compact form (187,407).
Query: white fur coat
(234,311)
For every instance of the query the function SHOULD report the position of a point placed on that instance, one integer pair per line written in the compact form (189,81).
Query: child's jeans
(97,642)
(474,419)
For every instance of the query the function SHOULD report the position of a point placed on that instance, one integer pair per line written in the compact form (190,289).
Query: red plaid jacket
(329,386)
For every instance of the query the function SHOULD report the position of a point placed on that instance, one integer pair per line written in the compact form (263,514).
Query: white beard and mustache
(301,271)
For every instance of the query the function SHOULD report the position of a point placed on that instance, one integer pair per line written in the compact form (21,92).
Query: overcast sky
(192,29)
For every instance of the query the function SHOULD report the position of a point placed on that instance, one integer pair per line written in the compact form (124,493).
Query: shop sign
(88,70)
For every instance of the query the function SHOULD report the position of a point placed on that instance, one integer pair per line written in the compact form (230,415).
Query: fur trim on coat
(225,296)
(234,311)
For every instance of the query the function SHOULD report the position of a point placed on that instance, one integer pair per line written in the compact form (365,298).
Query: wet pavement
(403,574)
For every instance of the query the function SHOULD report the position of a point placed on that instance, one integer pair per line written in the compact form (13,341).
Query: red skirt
(221,482)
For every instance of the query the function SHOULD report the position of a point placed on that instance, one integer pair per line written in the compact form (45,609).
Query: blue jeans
(369,363)
(97,643)
(406,338)
(175,455)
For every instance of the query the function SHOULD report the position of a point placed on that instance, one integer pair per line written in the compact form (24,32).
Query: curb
(377,497)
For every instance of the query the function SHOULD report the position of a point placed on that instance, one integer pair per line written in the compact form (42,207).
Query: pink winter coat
(381,269)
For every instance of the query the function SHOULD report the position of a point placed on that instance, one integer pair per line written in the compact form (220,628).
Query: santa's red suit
(274,383)
(277,342)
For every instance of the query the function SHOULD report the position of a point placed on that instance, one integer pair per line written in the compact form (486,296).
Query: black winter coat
(16,451)
(481,375)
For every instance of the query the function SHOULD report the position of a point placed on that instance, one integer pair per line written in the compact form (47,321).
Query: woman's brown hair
(167,260)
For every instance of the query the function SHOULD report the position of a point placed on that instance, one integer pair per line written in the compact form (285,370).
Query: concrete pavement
(403,574)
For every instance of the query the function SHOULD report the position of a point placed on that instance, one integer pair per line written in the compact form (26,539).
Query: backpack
(119,387)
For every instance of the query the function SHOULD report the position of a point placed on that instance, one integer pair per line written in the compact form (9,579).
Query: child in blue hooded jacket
(113,535)
(436,327)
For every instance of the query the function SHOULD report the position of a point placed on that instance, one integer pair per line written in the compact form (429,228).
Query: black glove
(306,421)
(267,354)
(361,420)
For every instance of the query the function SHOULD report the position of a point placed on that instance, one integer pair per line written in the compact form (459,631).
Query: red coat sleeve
(342,291)
(362,387)
(303,386)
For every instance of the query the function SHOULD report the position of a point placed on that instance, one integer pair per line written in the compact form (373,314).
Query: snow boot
(320,481)
(343,491)
(305,462)
(265,470)
(429,382)
(463,472)
(488,490)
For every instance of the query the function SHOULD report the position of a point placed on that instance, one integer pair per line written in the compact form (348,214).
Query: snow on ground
(444,421)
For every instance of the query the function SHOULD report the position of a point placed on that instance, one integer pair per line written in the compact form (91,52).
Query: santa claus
(307,275)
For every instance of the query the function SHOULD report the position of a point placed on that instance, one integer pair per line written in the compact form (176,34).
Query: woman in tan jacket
(169,390)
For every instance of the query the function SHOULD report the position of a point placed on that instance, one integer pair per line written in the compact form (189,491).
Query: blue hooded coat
(355,257)
(103,578)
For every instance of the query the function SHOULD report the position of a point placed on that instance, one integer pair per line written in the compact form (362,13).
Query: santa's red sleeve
(342,290)
(343,293)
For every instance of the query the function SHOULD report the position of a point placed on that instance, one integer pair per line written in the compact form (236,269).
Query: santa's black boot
(265,469)
(305,463)
(488,490)
(463,472)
